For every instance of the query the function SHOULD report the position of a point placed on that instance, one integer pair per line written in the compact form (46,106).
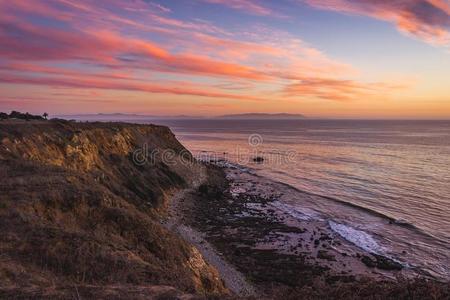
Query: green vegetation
(22,116)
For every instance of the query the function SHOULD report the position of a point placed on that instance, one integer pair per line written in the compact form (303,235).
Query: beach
(239,223)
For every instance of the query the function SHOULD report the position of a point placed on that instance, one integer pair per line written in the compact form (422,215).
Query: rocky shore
(239,214)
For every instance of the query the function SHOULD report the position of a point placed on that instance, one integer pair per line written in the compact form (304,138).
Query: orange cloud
(97,83)
(111,45)
(108,47)
(335,89)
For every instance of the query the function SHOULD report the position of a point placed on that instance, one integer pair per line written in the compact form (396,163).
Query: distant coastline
(125,116)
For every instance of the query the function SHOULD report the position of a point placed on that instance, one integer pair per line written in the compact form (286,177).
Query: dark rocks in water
(369,262)
(258,159)
(385,263)
(381,262)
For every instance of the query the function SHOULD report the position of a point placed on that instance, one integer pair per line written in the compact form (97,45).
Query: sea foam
(358,237)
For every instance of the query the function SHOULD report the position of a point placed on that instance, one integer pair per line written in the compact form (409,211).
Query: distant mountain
(121,117)
(135,117)
(262,116)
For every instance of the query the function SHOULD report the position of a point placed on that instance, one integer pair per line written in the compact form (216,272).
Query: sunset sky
(335,58)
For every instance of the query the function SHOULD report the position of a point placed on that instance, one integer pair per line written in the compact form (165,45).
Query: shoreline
(235,220)
(176,222)
(332,249)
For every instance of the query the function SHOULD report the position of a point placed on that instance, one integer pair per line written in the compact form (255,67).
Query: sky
(324,59)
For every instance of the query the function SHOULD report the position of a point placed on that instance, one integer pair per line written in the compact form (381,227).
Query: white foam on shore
(359,238)
(304,215)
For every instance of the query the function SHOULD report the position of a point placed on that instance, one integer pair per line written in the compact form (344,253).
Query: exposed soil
(77,211)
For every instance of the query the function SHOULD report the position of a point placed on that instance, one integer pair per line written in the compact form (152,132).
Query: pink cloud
(123,45)
(428,20)
(97,83)
(336,89)
(108,47)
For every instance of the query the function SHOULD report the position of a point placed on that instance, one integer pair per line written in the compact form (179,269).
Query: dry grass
(89,218)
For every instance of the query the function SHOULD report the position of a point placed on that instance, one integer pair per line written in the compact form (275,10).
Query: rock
(369,262)
(381,262)
(385,263)
(258,159)
(322,254)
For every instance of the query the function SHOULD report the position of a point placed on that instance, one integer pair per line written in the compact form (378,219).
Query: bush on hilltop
(21,116)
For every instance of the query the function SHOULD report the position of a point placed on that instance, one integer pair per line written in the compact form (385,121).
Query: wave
(297,213)
(357,237)
(392,220)
(228,164)
(364,241)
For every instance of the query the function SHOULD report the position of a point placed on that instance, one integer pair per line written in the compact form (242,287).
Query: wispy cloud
(337,89)
(250,6)
(97,83)
(125,45)
(428,20)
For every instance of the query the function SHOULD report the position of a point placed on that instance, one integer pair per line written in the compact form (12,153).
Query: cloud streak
(250,6)
(96,83)
(140,46)
(428,20)
(337,90)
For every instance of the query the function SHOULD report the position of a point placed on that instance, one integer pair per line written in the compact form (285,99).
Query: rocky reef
(80,211)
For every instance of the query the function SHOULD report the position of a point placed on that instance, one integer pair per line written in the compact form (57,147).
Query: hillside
(79,216)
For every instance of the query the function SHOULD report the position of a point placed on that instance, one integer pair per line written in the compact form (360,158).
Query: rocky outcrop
(80,205)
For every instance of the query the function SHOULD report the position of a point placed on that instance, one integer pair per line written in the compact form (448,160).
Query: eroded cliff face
(80,204)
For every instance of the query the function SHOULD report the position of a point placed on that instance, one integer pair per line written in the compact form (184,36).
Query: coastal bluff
(80,218)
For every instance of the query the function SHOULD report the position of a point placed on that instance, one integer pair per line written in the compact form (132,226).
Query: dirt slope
(79,207)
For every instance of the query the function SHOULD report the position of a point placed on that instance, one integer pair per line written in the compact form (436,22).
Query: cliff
(80,210)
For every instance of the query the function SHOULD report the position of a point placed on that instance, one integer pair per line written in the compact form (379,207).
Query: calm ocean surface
(382,181)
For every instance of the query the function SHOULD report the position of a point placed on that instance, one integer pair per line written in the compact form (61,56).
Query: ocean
(384,185)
